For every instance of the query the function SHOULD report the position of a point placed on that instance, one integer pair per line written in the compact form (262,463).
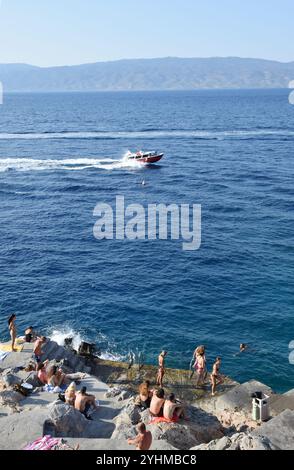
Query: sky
(66,32)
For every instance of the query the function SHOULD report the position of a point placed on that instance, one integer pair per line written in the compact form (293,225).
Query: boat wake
(154,134)
(73,164)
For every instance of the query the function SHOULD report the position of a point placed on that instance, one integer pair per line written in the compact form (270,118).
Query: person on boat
(42,372)
(145,394)
(161,368)
(157,402)
(12,330)
(143,440)
(200,365)
(216,378)
(38,348)
(173,409)
(84,402)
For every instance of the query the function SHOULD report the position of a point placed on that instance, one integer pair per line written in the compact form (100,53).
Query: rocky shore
(218,423)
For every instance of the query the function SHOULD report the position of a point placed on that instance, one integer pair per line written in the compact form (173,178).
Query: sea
(230,151)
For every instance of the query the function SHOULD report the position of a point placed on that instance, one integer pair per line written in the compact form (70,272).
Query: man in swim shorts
(161,369)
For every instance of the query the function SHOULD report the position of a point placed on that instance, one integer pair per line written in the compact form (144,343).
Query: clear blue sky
(63,32)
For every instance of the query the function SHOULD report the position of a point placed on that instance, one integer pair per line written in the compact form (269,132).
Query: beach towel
(161,419)
(44,443)
(7,347)
(3,354)
(51,389)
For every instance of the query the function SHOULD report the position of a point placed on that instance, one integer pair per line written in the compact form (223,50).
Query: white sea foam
(59,336)
(72,164)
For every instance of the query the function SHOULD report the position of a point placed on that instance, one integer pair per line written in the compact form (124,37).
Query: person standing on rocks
(161,368)
(38,348)
(200,365)
(143,440)
(216,378)
(12,330)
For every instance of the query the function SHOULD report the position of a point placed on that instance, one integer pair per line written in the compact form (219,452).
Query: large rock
(67,421)
(9,378)
(239,441)
(18,430)
(279,431)
(132,411)
(178,435)
(123,431)
(236,399)
(10,397)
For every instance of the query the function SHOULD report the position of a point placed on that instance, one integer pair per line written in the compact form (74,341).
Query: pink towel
(43,443)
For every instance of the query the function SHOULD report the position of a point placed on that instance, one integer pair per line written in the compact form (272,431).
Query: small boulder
(113,392)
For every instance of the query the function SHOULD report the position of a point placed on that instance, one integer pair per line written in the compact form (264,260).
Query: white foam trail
(147,134)
(73,164)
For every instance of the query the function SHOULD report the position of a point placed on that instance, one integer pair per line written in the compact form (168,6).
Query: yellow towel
(7,347)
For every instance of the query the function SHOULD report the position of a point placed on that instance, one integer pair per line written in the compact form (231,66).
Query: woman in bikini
(216,378)
(200,365)
(12,330)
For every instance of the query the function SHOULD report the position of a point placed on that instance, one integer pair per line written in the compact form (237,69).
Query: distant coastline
(164,74)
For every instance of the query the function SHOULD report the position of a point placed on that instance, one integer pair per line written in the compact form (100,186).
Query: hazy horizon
(77,32)
(146,58)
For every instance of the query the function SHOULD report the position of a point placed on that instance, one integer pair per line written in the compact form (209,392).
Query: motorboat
(144,157)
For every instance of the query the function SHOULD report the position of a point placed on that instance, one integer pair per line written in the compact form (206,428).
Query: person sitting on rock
(30,335)
(42,372)
(38,348)
(157,402)
(55,377)
(143,440)
(70,394)
(173,409)
(145,394)
(84,401)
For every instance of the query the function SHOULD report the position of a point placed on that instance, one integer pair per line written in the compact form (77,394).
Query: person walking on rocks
(161,368)
(143,440)
(12,330)
(216,378)
(200,365)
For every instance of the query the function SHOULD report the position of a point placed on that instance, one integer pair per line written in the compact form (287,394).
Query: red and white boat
(144,157)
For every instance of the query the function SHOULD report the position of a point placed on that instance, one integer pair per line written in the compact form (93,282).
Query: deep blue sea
(230,151)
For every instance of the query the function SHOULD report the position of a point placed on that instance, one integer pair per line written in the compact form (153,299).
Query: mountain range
(149,74)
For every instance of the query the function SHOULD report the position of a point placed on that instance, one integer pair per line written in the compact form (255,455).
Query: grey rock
(9,378)
(66,420)
(145,416)
(10,397)
(124,431)
(124,395)
(113,392)
(179,436)
(279,431)
(132,411)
